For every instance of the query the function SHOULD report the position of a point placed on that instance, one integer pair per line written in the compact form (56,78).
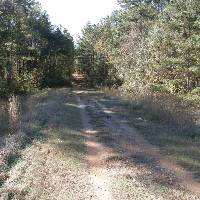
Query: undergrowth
(168,122)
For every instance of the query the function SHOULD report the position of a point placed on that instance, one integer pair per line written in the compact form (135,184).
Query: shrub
(169,109)
(172,110)
(3,88)
(27,82)
(159,88)
(175,85)
(196,91)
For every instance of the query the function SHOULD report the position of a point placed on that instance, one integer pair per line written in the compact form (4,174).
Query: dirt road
(123,164)
(90,152)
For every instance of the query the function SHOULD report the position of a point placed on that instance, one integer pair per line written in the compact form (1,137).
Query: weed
(165,121)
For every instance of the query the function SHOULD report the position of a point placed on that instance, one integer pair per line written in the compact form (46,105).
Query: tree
(147,43)
(174,46)
(31,48)
(97,50)
(158,4)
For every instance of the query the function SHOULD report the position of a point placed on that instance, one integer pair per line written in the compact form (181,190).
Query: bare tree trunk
(13,114)
(10,74)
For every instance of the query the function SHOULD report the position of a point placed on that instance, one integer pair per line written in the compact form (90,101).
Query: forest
(111,115)
(150,51)
(148,44)
(33,52)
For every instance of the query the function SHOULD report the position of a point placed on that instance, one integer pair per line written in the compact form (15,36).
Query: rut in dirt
(85,151)
(116,149)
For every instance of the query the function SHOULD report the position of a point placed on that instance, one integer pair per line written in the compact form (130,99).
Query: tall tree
(30,46)
(174,45)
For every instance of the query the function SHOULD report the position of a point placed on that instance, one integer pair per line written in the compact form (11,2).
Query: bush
(159,88)
(169,109)
(56,80)
(27,82)
(176,85)
(4,90)
(196,91)
(172,110)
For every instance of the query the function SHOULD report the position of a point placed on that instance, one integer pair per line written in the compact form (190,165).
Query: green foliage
(146,45)
(29,43)
(174,43)
(158,4)
(175,85)
(3,88)
(27,82)
(92,57)
(159,88)
(196,91)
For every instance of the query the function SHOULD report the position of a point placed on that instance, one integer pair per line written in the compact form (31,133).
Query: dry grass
(165,121)
(3,118)
(171,110)
(48,160)
(133,172)
(49,163)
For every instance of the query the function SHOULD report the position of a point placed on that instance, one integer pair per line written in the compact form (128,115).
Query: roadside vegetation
(34,53)
(47,156)
(182,148)
(143,61)
(150,51)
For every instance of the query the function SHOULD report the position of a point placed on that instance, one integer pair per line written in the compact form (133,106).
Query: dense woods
(114,115)
(147,45)
(150,50)
(33,52)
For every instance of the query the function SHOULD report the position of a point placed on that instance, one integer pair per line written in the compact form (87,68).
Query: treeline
(33,52)
(147,45)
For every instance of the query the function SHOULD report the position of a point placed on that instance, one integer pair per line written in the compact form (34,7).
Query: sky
(74,14)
